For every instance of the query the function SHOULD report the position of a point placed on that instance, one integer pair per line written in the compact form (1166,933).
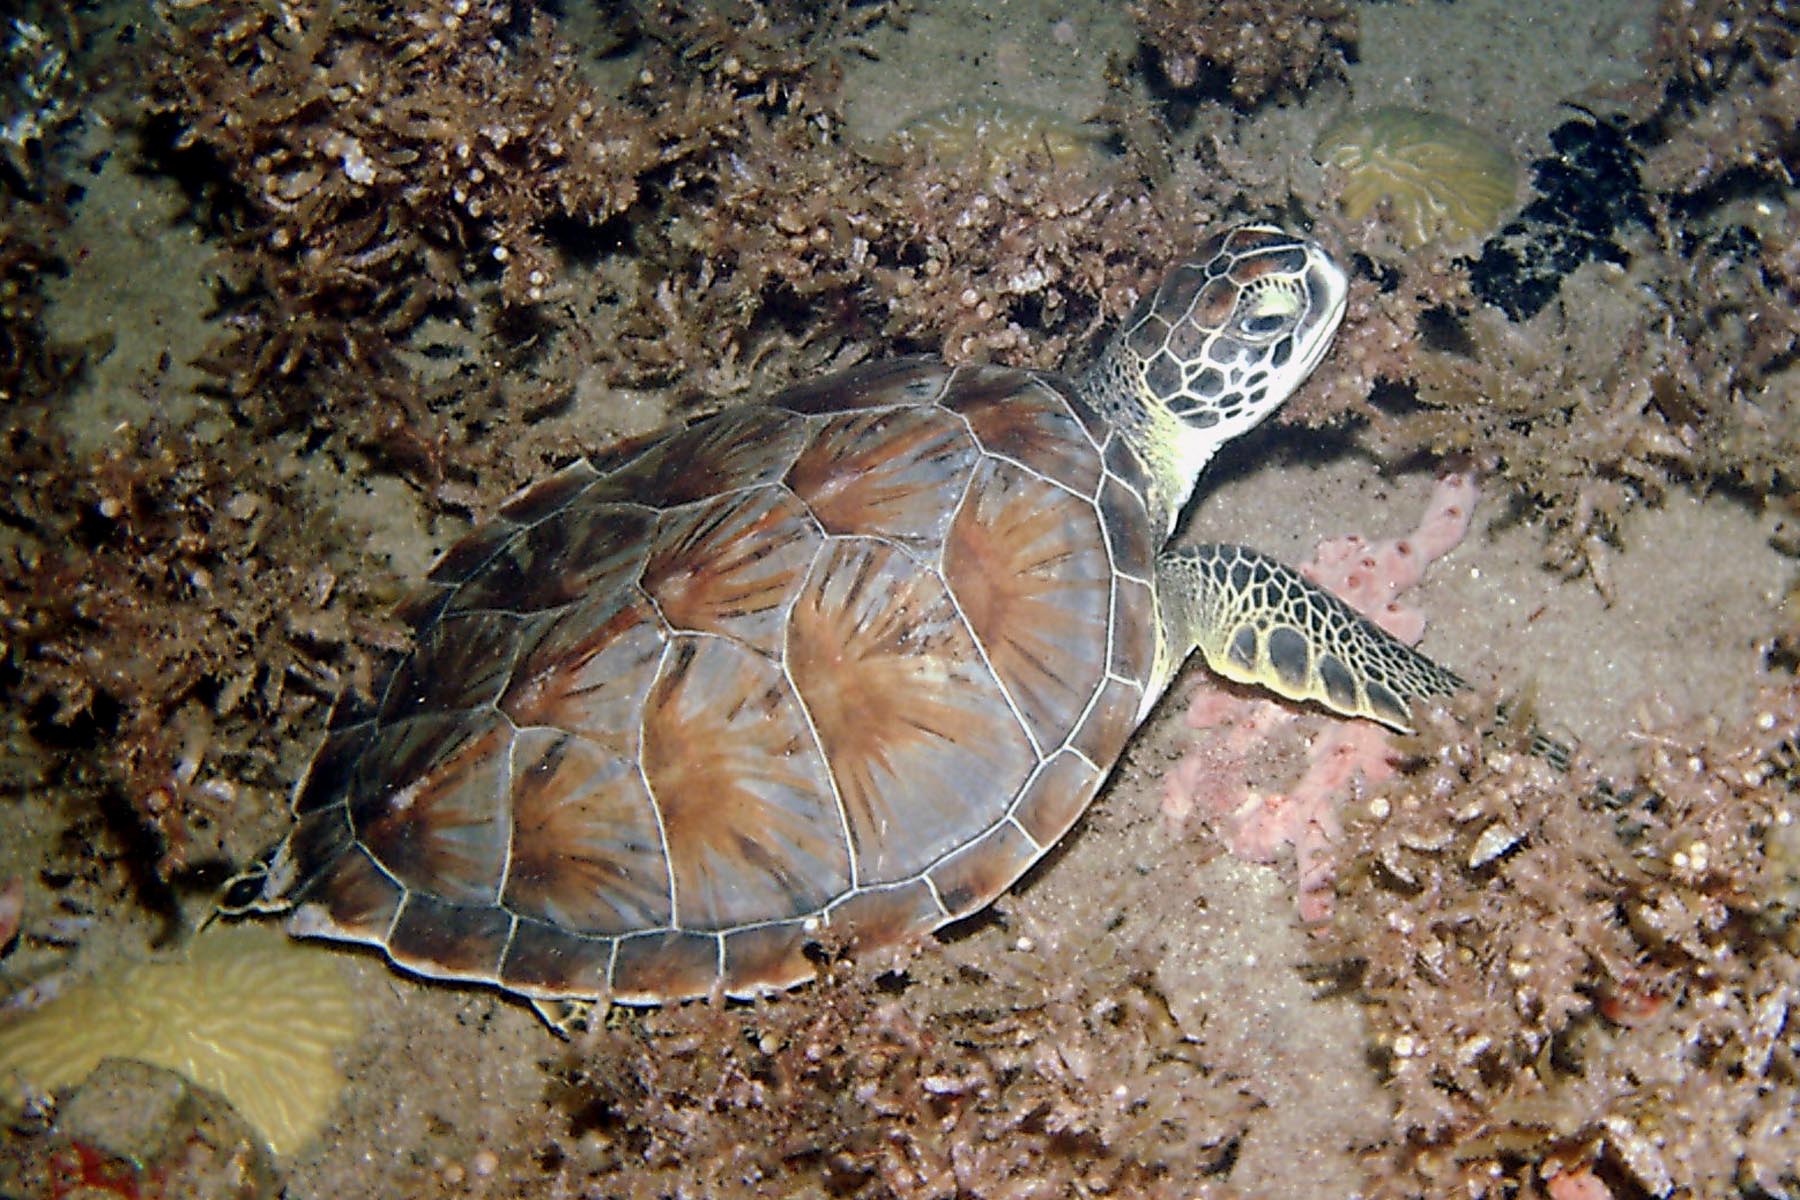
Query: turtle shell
(853,658)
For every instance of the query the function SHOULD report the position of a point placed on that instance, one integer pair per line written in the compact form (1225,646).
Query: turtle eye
(1265,314)
(1262,325)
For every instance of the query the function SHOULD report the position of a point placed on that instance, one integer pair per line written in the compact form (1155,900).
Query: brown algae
(1434,177)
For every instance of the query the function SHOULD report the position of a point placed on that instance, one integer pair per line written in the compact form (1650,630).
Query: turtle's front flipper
(1259,621)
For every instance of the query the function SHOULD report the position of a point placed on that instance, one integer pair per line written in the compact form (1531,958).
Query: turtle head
(1225,338)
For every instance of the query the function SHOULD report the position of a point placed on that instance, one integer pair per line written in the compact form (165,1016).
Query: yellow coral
(246,1013)
(1437,177)
(998,136)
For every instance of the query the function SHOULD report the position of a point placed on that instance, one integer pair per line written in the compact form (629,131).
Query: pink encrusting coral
(1214,778)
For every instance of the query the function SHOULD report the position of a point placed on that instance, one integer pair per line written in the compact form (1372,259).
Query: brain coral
(245,1013)
(1436,177)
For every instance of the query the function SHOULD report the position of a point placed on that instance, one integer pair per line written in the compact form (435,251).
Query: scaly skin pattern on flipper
(1259,621)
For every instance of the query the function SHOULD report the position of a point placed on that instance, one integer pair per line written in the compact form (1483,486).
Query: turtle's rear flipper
(1260,621)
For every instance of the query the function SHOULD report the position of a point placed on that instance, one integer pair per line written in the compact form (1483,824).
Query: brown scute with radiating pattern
(886,383)
(923,746)
(460,662)
(587,547)
(1027,564)
(736,448)
(747,812)
(443,831)
(587,672)
(1046,438)
(851,660)
(893,473)
(586,849)
(732,566)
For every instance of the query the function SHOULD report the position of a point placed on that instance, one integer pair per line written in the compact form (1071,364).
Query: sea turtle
(854,657)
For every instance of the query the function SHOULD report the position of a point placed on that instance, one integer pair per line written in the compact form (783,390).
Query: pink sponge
(1340,755)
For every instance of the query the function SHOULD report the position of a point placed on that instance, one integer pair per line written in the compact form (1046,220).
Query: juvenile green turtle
(852,659)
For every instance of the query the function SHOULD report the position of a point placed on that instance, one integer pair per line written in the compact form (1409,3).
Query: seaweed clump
(164,619)
(706,217)
(375,158)
(1568,978)
(1252,52)
(1046,1078)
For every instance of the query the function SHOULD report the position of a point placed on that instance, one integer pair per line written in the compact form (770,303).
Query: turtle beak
(1329,283)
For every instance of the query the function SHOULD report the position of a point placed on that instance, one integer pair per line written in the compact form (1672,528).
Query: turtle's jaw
(1329,282)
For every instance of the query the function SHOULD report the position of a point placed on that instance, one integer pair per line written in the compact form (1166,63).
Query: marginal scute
(766,958)
(1109,724)
(449,941)
(543,499)
(334,765)
(546,962)
(984,868)
(1128,531)
(460,662)
(1135,612)
(884,916)
(356,899)
(464,560)
(653,966)
(1056,795)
